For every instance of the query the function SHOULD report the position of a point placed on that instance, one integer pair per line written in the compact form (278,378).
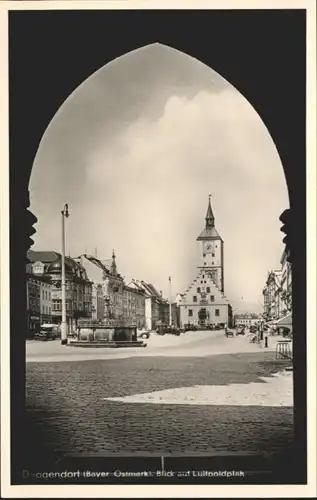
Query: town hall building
(204,302)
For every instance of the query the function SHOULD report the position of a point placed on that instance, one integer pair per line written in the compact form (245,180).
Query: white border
(188,491)
(157,4)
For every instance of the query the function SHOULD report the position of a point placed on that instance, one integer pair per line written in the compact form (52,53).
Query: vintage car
(166,329)
(48,332)
(143,334)
(190,328)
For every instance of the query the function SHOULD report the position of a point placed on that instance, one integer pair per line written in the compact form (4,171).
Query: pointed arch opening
(140,144)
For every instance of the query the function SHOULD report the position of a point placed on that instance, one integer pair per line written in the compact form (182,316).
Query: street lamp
(170,300)
(65,214)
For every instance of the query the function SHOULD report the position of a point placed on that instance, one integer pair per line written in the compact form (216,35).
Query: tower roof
(209,232)
(210,215)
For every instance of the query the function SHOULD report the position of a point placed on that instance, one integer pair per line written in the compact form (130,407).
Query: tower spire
(210,220)
(113,264)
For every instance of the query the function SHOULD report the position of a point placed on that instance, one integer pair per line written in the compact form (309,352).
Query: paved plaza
(195,394)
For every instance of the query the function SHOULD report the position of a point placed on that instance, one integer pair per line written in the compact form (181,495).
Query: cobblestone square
(69,413)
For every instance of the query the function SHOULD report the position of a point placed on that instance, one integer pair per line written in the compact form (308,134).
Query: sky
(135,151)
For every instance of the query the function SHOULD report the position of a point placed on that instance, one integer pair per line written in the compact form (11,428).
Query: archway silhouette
(233,61)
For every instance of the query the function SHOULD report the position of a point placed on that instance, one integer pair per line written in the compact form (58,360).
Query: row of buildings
(247,319)
(277,293)
(110,297)
(137,302)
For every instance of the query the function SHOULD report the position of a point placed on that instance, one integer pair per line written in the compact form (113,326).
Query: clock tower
(210,248)
(204,304)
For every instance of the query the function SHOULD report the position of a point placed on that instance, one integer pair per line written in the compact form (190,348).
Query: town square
(158,277)
(187,382)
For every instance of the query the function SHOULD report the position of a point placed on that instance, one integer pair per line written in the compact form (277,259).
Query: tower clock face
(208,248)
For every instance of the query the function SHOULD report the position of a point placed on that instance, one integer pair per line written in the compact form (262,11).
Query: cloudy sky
(136,150)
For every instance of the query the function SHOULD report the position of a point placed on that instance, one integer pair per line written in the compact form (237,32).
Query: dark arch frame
(262,53)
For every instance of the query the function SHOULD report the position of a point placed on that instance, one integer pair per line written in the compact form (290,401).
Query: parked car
(48,332)
(253,329)
(143,334)
(164,329)
(190,328)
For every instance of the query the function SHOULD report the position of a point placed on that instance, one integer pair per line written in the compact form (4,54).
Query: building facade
(272,296)
(156,307)
(33,298)
(277,292)
(78,287)
(204,302)
(134,306)
(117,301)
(46,299)
(286,284)
(38,269)
(246,319)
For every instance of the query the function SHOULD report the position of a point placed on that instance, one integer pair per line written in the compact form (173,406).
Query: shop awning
(286,321)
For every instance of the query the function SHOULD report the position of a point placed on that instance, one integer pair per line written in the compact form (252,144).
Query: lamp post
(170,300)
(65,214)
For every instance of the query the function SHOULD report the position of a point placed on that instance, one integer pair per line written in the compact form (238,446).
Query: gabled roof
(214,290)
(137,285)
(153,290)
(100,264)
(147,287)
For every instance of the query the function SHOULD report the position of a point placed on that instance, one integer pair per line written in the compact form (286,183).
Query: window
(198,290)
(212,298)
(208,289)
(212,254)
(217,312)
(194,298)
(57,305)
(203,276)
(190,312)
